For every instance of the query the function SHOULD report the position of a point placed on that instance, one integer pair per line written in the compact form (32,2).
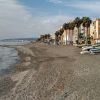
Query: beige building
(53,38)
(64,37)
(95,29)
(67,37)
(75,35)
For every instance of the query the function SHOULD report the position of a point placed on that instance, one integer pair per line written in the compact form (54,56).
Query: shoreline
(14,68)
(25,55)
(9,60)
(20,70)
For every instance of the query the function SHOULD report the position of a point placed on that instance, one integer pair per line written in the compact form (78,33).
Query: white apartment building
(75,35)
(95,29)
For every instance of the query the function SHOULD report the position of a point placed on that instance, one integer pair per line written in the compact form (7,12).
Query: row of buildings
(76,35)
(95,30)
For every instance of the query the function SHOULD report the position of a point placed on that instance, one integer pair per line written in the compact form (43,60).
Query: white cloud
(50,24)
(55,1)
(86,5)
(16,21)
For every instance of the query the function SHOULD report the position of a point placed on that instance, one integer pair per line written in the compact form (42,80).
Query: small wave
(8,57)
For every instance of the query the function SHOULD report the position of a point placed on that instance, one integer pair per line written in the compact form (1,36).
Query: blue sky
(30,18)
(56,7)
(71,8)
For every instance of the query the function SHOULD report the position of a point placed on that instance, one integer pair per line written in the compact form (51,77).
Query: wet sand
(48,72)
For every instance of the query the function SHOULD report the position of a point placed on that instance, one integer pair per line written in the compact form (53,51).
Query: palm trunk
(56,39)
(78,35)
(69,37)
(66,37)
(86,42)
(72,35)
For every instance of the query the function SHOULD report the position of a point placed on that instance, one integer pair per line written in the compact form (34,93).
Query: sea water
(14,42)
(8,57)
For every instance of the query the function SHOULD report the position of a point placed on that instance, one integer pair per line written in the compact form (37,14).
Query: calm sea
(9,56)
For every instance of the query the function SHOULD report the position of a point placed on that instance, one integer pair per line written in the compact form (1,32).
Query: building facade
(95,29)
(53,38)
(76,34)
(67,37)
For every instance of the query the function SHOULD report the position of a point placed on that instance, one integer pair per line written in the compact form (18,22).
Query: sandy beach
(49,72)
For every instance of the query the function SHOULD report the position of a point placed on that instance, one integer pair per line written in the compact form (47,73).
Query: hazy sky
(30,18)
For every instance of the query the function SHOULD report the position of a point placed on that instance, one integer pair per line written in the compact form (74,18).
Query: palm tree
(42,38)
(71,27)
(57,33)
(86,21)
(61,30)
(48,35)
(65,28)
(77,23)
(69,33)
(48,38)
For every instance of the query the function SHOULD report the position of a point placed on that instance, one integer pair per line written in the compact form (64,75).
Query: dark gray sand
(52,73)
